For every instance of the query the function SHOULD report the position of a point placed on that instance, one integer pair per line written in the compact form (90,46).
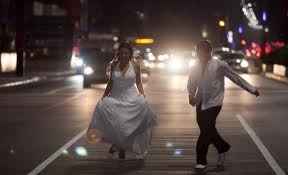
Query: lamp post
(222,29)
(20,37)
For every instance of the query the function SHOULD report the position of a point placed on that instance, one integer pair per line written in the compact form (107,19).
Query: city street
(43,129)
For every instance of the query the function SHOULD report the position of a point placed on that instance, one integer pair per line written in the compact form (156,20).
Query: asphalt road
(38,119)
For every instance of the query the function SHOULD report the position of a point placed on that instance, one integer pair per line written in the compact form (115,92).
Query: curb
(19,83)
(276,77)
(35,79)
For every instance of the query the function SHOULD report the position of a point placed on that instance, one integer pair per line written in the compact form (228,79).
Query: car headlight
(161,65)
(238,60)
(175,65)
(244,64)
(192,63)
(88,70)
(146,63)
(76,62)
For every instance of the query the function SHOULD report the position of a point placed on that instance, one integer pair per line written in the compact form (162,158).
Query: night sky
(177,22)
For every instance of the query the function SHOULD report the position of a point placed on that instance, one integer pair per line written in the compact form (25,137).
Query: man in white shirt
(206,91)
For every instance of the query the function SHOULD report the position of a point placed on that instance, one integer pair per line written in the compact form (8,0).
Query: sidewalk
(10,80)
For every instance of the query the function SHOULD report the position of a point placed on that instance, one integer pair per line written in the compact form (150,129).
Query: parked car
(237,61)
(95,62)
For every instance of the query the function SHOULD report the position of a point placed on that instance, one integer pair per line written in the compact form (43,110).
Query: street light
(221,23)
(264,16)
(240,30)
(204,34)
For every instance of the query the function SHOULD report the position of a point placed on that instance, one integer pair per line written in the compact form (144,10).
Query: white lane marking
(54,156)
(265,152)
(18,83)
(59,89)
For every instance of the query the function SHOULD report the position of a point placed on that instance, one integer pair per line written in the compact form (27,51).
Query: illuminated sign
(144,41)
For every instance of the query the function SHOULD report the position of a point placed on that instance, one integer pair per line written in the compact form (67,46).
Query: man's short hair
(204,44)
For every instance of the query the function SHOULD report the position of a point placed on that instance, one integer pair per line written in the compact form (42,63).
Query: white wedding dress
(124,118)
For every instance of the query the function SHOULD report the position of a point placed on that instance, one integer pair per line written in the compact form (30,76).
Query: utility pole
(20,37)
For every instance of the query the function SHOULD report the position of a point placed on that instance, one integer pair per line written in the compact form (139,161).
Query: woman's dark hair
(204,44)
(126,46)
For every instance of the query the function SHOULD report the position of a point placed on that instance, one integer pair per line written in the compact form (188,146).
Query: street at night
(43,117)
(143,87)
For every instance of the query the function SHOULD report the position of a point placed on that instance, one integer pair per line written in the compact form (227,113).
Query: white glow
(76,61)
(151,65)
(192,63)
(81,151)
(144,75)
(169,144)
(146,63)
(8,62)
(175,65)
(250,15)
(178,152)
(225,49)
(244,64)
(65,152)
(238,61)
(204,34)
(215,57)
(161,65)
(230,37)
(151,57)
(194,54)
(88,70)
(115,38)
(266,29)
(163,57)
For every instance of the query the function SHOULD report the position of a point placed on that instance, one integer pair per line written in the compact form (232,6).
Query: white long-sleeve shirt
(208,89)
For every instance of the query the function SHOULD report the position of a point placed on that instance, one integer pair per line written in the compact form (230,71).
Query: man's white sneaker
(200,167)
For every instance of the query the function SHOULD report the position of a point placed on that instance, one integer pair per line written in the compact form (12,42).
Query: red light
(248,53)
(268,48)
(253,51)
(278,44)
(254,45)
(243,42)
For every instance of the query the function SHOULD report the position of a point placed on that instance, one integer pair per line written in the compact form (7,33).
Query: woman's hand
(142,95)
(103,97)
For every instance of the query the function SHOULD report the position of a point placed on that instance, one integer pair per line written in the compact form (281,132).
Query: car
(180,63)
(95,62)
(236,60)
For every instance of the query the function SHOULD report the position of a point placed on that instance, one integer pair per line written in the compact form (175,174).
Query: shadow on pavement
(209,171)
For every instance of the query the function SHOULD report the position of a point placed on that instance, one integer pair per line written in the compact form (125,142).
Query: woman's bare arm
(110,81)
(139,79)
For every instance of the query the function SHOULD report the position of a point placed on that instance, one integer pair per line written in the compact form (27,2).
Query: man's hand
(257,93)
(192,100)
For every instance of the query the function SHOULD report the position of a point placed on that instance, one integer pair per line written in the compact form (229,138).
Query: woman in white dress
(123,117)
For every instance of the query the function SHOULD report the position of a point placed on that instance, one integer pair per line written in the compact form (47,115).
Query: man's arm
(192,86)
(237,79)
